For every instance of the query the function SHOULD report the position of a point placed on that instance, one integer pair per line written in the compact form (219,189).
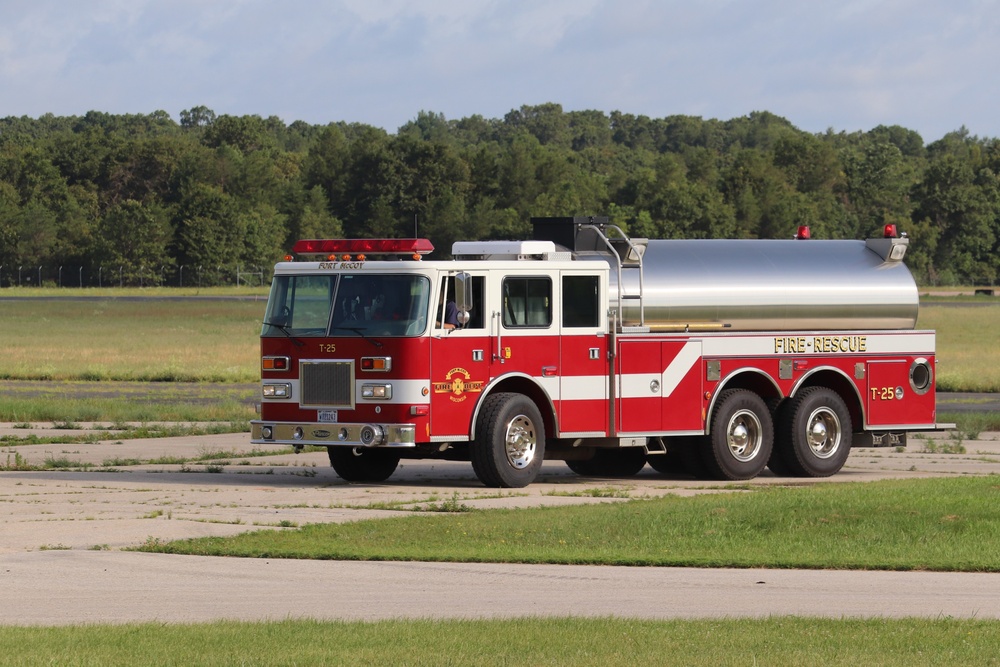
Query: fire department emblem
(457,382)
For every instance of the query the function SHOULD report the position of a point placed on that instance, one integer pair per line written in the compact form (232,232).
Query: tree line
(146,199)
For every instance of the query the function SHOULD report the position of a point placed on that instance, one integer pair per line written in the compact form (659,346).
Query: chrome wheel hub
(744,435)
(823,433)
(520,442)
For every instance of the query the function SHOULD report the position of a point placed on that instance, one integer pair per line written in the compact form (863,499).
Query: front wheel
(741,438)
(510,441)
(355,464)
(814,433)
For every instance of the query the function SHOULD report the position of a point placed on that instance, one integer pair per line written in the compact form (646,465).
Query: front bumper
(329,434)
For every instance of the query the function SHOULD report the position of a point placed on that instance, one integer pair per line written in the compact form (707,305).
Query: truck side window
(527,302)
(580,307)
(476,316)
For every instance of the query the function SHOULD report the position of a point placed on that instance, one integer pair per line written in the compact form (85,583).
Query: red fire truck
(722,357)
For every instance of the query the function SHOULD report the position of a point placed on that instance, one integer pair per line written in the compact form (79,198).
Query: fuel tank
(755,285)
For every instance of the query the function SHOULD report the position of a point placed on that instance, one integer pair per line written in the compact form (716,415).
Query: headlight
(376,391)
(282,390)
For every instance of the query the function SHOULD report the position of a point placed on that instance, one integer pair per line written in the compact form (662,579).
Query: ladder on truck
(628,254)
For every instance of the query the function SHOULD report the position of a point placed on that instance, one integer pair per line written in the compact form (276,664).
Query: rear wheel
(510,441)
(681,457)
(625,462)
(814,433)
(776,462)
(355,464)
(689,451)
(741,438)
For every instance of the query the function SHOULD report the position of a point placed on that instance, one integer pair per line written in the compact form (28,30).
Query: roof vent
(504,250)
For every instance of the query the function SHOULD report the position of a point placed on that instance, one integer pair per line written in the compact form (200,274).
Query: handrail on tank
(621,285)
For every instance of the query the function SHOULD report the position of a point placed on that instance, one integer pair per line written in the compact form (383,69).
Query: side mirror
(463,296)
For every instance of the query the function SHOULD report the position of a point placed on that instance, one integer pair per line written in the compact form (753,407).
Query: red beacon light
(346,248)
(803,233)
(889,232)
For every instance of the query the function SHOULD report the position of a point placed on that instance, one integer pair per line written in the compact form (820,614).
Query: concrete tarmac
(74,587)
(62,530)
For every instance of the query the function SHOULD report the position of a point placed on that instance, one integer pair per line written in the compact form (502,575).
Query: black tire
(776,462)
(583,467)
(814,433)
(510,441)
(625,462)
(356,464)
(741,437)
(681,458)
(689,450)
(666,464)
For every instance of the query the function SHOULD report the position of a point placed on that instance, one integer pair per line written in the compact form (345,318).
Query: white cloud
(847,65)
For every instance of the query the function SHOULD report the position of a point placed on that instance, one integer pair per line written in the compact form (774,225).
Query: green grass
(110,339)
(969,425)
(536,641)
(933,524)
(217,340)
(124,406)
(127,432)
(968,346)
(191,340)
(116,292)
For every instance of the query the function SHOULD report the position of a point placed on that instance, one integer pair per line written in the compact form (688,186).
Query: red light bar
(368,246)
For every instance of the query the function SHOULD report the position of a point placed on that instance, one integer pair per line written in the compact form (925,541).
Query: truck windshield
(344,305)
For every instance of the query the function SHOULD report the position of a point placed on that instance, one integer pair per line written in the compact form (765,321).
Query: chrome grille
(327,383)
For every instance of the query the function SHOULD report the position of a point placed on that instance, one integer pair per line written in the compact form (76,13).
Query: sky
(845,65)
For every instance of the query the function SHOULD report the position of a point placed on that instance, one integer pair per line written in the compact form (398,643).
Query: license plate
(326,416)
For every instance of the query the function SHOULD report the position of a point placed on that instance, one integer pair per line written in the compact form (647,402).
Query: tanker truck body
(711,358)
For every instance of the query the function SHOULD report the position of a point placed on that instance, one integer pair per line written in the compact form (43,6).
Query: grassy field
(194,340)
(926,524)
(111,337)
(931,524)
(65,402)
(968,345)
(515,642)
(188,340)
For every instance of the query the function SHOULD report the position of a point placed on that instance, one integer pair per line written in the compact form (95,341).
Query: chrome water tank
(751,284)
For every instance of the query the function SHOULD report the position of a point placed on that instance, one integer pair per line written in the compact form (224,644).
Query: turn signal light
(376,363)
(274,363)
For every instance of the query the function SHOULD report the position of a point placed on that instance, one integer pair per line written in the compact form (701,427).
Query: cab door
(459,362)
(583,354)
(526,340)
